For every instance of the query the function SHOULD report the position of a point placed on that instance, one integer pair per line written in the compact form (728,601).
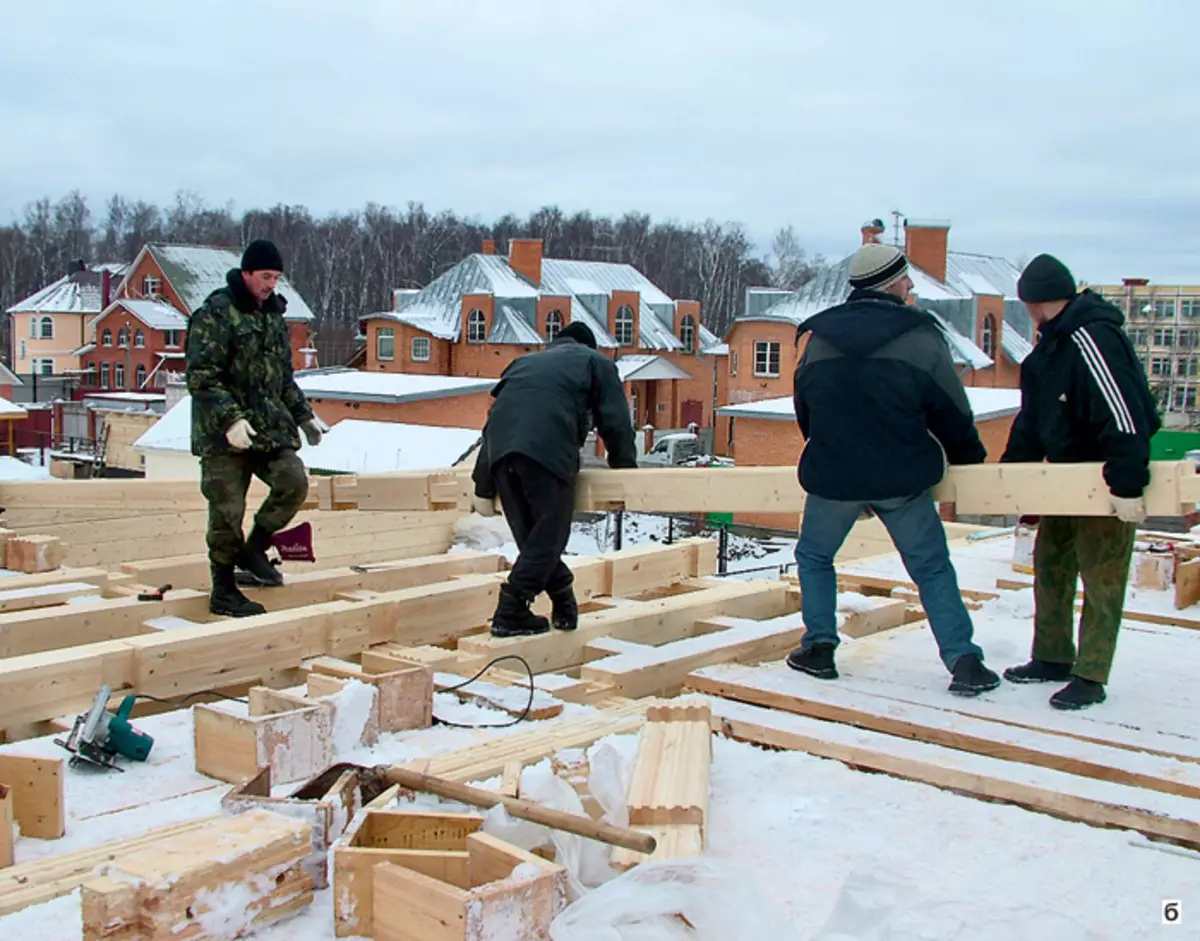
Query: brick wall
(744,386)
(456,411)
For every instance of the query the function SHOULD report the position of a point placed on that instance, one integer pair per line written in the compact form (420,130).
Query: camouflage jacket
(239,365)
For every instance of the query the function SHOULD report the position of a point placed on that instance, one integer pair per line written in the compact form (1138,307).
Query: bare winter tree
(348,264)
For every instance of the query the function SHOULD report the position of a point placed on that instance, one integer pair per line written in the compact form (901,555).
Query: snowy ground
(835,854)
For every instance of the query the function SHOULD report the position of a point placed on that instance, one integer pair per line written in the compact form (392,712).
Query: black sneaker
(1078,694)
(564,615)
(816,661)
(226,599)
(1039,671)
(971,677)
(513,617)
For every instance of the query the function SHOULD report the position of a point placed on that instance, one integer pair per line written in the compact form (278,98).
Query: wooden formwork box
(405,690)
(291,735)
(327,815)
(212,884)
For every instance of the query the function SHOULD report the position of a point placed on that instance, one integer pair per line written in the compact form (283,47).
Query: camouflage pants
(225,480)
(1099,550)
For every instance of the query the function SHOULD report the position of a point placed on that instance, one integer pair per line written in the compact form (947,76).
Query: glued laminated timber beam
(978,489)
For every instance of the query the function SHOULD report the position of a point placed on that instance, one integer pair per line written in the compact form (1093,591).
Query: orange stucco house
(489,309)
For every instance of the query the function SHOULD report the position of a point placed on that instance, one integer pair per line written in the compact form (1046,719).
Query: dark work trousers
(539,507)
(1098,549)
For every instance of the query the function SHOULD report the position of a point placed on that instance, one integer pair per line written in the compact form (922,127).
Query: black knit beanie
(579,332)
(261,255)
(1045,279)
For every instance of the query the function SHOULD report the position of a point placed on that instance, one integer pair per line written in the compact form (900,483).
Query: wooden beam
(648,622)
(6,827)
(38,786)
(774,689)
(1098,803)
(52,877)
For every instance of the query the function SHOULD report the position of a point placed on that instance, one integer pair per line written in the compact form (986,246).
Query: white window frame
(687,333)
(476,326)
(21,351)
(171,339)
(139,339)
(623,324)
(381,334)
(419,343)
(766,347)
(34,320)
(123,338)
(106,337)
(46,328)
(733,362)
(119,375)
(987,336)
(554,323)
(105,376)
(151,286)
(42,366)
(139,376)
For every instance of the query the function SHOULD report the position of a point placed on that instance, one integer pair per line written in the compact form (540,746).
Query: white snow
(985,403)
(391,386)
(12,469)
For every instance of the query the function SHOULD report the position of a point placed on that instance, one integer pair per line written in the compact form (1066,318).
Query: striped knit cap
(875,266)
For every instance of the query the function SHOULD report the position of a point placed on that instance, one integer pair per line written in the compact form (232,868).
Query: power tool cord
(181,700)
(491,725)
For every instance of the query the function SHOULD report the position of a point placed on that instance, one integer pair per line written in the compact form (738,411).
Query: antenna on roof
(897,215)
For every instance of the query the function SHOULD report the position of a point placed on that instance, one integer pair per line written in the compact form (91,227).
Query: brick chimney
(926,243)
(871,231)
(489,247)
(525,258)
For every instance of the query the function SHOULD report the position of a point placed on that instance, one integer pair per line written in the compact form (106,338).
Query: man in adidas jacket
(1084,398)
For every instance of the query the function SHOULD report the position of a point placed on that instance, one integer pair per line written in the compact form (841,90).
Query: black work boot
(227,599)
(970,677)
(1078,694)
(1039,671)
(513,617)
(816,661)
(564,616)
(254,562)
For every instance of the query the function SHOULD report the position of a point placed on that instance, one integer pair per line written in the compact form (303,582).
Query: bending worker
(545,405)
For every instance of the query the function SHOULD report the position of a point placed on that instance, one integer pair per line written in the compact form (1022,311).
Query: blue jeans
(919,537)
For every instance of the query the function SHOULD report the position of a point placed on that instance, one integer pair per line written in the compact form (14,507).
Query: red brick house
(974,297)
(488,309)
(165,278)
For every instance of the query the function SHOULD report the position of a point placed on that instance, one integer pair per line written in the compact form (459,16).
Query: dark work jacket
(239,365)
(545,405)
(879,402)
(1084,398)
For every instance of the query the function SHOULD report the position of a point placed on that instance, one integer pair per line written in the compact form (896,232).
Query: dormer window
(554,323)
(687,333)
(623,325)
(476,327)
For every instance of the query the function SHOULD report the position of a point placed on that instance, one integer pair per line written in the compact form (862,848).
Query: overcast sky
(1066,126)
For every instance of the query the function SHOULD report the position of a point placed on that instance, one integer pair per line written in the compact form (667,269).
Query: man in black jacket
(545,405)
(882,410)
(1084,398)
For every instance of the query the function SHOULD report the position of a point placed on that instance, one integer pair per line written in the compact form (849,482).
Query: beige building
(1163,321)
(49,327)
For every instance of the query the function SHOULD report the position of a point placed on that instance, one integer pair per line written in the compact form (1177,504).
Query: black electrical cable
(180,700)
(492,725)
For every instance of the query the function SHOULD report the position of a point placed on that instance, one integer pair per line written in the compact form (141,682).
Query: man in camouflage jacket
(247,412)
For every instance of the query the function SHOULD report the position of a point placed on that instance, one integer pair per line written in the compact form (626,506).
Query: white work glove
(1129,509)
(313,430)
(484,506)
(239,435)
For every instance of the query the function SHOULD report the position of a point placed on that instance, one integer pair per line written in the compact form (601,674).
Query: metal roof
(157,315)
(588,286)
(195,271)
(643,367)
(75,293)
(832,286)
(356,385)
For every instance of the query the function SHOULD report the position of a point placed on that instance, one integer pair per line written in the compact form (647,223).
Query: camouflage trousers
(225,480)
(1099,550)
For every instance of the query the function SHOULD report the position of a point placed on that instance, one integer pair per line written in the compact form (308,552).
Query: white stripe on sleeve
(1104,379)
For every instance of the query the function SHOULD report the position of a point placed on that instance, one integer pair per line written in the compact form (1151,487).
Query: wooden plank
(409,905)
(33,554)
(774,689)
(662,670)
(1187,583)
(669,784)
(38,794)
(882,616)
(43,880)
(47,629)
(162,892)
(46,596)
(648,622)
(6,826)
(1098,803)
